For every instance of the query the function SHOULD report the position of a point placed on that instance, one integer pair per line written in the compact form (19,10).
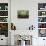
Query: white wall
(32,6)
(23,24)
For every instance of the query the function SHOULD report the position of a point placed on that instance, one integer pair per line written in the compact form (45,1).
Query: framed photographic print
(23,14)
(4,29)
(42,32)
(41,6)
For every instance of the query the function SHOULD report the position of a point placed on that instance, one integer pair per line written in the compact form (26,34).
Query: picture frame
(23,14)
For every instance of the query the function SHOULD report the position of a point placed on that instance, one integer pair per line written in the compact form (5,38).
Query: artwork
(4,29)
(3,6)
(41,6)
(23,14)
(41,13)
(42,32)
(3,19)
(3,13)
(41,19)
(43,25)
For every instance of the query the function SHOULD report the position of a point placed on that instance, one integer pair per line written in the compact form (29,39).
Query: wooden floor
(3,45)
